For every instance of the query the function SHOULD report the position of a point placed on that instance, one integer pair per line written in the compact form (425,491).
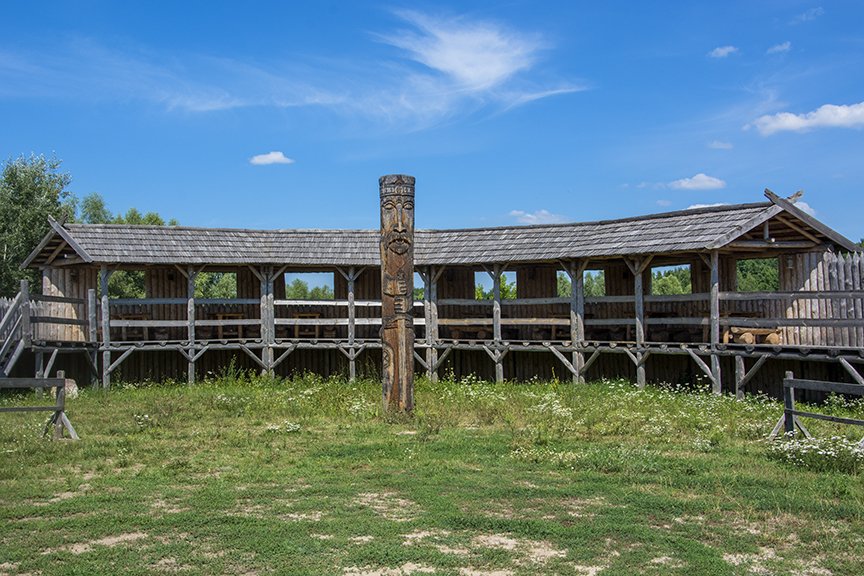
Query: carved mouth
(399,244)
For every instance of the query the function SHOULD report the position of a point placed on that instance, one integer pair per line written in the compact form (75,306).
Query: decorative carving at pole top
(396,185)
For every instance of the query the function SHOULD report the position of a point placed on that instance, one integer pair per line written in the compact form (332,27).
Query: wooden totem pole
(397,291)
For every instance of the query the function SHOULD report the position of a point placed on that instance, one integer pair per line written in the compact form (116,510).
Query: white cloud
(698,182)
(829,115)
(722,51)
(477,55)
(697,206)
(809,15)
(538,217)
(779,48)
(805,207)
(270,158)
(446,68)
(720,145)
(664,203)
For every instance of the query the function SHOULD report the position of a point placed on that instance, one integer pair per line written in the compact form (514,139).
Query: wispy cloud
(808,15)
(805,207)
(700,181)
(698,206)
(475,55)
(270,158)
(828,115)
(448,67)
(720,145)
(722,51)
(664,203)
(538,217)
(780,48)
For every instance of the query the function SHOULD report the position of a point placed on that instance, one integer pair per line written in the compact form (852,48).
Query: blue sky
(284,114)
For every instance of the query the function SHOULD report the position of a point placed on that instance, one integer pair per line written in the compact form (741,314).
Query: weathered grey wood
(639,305)
(116,364)
(104,275)
(702,365)
(786,295)
(822,386)
(92,323)
(351,278)
(26,328)
(789,404)
(576,271)
(777,245)
(32,382)
(152,301)
(567,364)
(827,417)
(396,251)
(739,377)
(55,299)
(19,350)
(715,321)
(852,371)
(57,320)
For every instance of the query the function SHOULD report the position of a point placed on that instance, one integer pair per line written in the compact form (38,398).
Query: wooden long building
(736,340)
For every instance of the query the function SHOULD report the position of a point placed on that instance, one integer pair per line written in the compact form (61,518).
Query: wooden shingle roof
(667,233)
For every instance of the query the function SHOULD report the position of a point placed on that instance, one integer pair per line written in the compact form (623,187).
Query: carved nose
(400,226)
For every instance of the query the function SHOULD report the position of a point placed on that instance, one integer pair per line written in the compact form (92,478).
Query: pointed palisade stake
(397,291)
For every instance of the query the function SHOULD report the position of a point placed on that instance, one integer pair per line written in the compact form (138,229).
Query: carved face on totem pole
(397,290)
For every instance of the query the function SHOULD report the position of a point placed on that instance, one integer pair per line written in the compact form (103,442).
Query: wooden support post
(496,320)
(26,328)
(352,319)
(92,334)
(40,370)
(576,271)
(191,274)
(740,372)
(715,321)
(104,275)
(789,406)
(639,306)
(397,291)
(271,321)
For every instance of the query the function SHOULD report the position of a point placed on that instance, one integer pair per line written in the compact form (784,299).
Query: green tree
(564,287)
(216,285)
(31,190)
(758,275)
(671,281)
(595,284)
(508,290)
(130,283)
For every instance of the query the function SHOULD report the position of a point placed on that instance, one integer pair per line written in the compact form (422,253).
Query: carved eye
(408,206)
(389,205)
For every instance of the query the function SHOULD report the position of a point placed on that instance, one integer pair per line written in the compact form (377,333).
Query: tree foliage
(668,281)
(594,284)
(508,290)
(758,275)
(31,189)
(299,290)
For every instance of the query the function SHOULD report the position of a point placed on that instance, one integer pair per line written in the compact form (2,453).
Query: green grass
(253,476)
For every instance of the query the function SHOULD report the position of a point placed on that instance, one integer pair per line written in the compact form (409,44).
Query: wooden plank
(32,382)
(638,269)
(26,329)
(827,417)
(55,299)
(787,296)
(823,386)
(59,320)
(92,325)
(715,320)
(104,275)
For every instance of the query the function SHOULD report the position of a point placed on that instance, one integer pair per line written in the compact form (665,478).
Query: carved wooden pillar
(397,291)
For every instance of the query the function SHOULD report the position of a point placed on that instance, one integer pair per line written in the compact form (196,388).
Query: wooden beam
(715,320)
(104,276)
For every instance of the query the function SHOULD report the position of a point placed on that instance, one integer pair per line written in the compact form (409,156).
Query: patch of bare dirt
(108,541)
(475,572)
(161,507)
(361,539)
(404,570)
(388,505)
(170,565)
(529,551)
(434,538)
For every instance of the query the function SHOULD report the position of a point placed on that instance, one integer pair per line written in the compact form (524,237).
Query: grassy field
(253,476)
